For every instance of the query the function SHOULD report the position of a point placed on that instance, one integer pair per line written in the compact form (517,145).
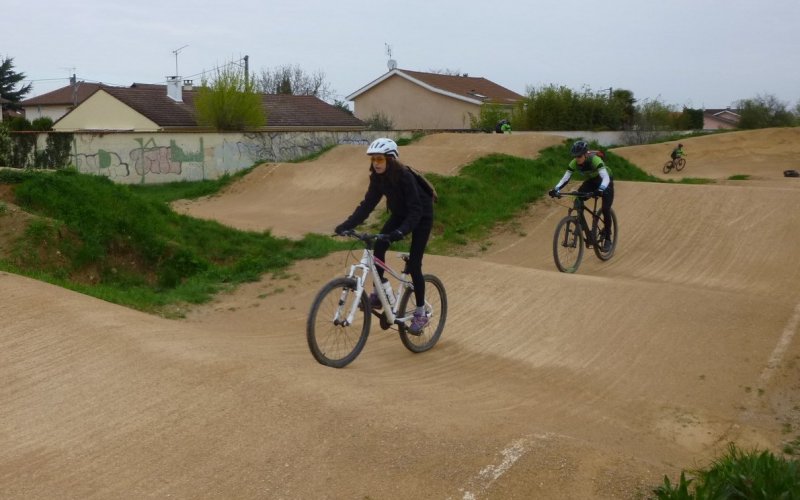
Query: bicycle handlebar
(578,194)
(365,237)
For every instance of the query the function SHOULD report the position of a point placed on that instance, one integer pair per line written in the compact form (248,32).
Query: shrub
(379,121)
(229,102)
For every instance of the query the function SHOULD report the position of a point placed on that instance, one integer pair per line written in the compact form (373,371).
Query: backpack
(424,183)
(597,152)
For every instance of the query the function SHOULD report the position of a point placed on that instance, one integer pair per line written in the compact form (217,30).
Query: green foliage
(379,121)
(463,213)
(58,148)
(229,102)
(765,111)
(6,146)
(9,79)
(184,190)
(42,124)
(488,117)
(343,106)
(143,254)
(415,136)
(751,475)
(554,107)
(18,124)
(22,150)
(691,119)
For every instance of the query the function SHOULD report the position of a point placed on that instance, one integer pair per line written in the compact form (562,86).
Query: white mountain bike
(339,321)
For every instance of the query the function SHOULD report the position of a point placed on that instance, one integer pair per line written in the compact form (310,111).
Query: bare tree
(292,79)
(447,71)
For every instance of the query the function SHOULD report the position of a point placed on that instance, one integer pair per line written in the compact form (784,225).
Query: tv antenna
(176,51)
(391,64)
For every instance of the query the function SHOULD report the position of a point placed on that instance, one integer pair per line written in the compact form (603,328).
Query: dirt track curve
(544,385)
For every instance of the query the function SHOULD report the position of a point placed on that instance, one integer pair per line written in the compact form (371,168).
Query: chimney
(187,85)
(174,89)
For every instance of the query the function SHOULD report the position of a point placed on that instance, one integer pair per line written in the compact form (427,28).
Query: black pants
(419,239)
(608,199)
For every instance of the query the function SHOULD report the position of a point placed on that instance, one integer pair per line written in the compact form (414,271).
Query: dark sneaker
(418,323)
(374,301)
(606,245)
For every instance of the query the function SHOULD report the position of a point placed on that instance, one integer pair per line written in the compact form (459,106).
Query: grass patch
(186,190)
(496,188)
(737,474)
(109,241)
(415,136)
(739,177)
(123,243)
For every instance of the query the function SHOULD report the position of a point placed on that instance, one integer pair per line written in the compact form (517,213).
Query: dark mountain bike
(677,164)
(575,230)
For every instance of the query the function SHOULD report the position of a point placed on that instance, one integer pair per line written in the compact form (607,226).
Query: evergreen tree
(9,80)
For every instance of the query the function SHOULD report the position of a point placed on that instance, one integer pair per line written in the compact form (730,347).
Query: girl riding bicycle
(411,211)
(598,181)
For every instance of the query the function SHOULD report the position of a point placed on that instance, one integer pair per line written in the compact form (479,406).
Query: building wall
(101,111)
(711,123)
(158,157)
(410,106)
(53,112)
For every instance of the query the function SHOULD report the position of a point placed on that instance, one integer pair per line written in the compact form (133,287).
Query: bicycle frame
(580,207)
(360,272)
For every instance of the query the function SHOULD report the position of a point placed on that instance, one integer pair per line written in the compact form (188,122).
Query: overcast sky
(695,53)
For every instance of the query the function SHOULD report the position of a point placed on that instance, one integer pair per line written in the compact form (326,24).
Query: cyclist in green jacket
(678,152)
(598,181)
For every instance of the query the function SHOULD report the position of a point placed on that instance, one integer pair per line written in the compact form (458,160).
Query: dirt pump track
(543,385)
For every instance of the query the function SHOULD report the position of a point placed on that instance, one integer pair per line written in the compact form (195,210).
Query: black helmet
(680,145)
(579,148)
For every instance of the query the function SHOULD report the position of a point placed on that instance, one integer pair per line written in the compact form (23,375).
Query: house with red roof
(59,102)
(416,100)
(152,107)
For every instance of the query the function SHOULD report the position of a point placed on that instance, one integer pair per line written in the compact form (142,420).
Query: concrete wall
(158,157)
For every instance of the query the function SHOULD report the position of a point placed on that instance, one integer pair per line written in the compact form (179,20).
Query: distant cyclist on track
(598,181)
(678,152)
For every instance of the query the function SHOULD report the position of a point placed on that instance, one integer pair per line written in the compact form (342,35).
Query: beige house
(714,119)
(430,101)
(59,102)
(151,108)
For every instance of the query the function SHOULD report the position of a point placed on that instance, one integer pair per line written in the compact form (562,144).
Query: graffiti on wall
(173,156)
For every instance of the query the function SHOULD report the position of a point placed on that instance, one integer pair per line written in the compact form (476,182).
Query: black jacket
(405,199)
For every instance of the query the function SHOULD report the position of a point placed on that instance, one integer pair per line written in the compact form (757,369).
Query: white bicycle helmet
(383,146)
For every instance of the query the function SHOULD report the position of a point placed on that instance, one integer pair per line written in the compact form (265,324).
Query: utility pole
(246,70)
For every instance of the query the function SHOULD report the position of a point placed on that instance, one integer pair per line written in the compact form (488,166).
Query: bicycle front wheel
(667,167)
(332,341)
(568,244)
(680,164)
(435,309)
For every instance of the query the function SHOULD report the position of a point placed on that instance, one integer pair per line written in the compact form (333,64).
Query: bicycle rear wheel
(612,235)
(680,164)
(333,342)
(568,244)
(435,309)
(667,167)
